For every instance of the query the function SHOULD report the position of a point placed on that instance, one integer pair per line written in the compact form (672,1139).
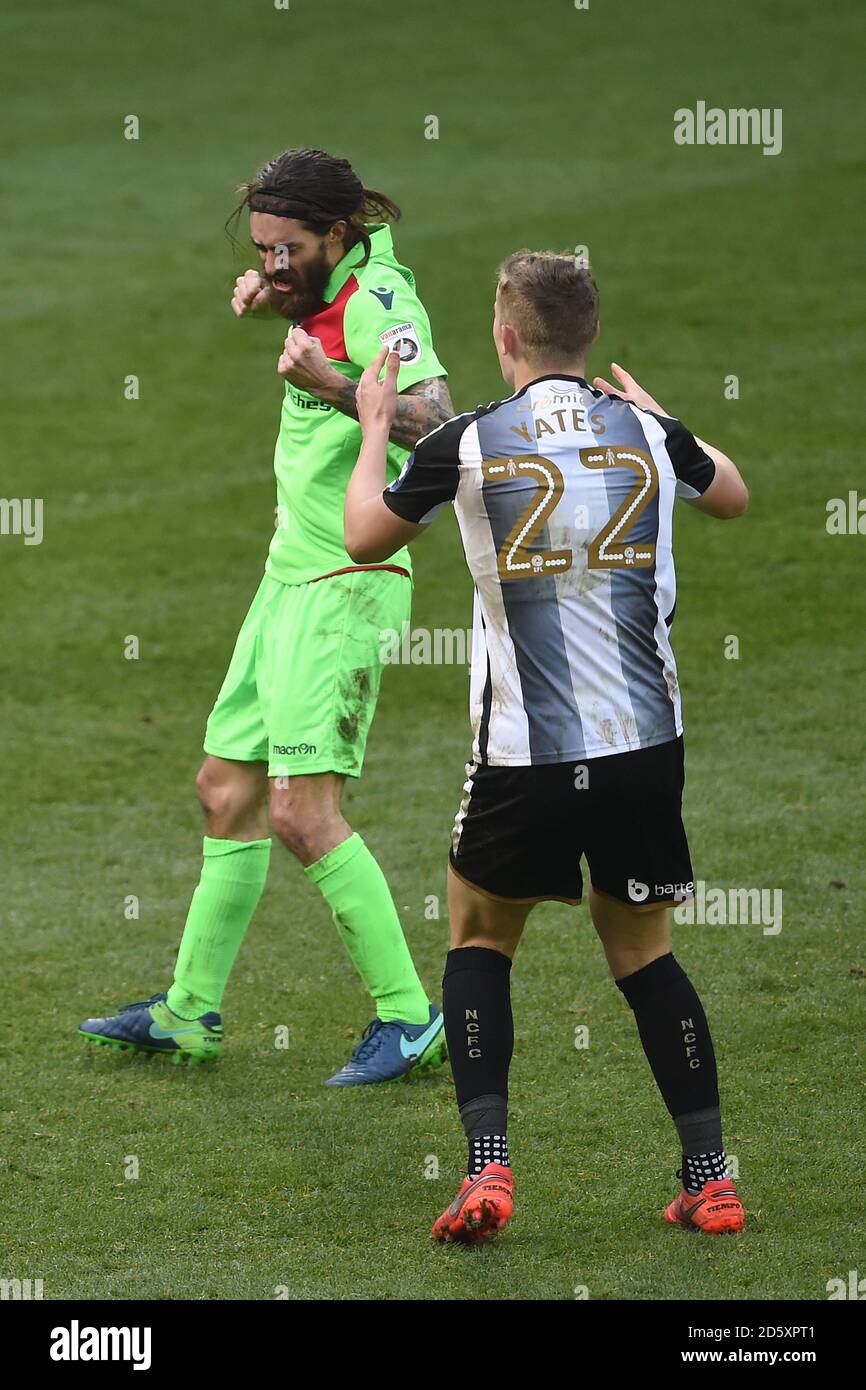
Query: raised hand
(250,293)
(629,390)
(375,400)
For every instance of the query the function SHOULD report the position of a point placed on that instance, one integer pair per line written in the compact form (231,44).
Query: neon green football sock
(354,888)
(232,880)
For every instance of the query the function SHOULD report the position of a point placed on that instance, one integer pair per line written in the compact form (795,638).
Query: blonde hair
(552,301)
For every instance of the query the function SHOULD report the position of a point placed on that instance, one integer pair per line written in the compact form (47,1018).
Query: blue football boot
(392,1049)
(150,1026)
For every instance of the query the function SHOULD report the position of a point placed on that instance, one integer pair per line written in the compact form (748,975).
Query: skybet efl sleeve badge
(402,339)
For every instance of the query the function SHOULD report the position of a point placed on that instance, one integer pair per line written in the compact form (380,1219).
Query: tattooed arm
(420,408)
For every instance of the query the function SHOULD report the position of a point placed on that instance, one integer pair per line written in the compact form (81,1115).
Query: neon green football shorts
(301,689)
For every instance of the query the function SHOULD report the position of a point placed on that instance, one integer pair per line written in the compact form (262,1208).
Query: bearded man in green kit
(290,723)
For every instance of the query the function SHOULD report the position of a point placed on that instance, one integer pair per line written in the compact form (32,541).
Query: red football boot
(481,1209)
(716,1209)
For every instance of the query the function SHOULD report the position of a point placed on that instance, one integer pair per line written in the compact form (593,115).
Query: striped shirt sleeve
(694,469)
(430,475)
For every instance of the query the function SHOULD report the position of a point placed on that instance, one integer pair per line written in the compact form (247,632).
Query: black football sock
(485,1121)
(476,1002)
(676,1039)
(487,1148)
(701,1168)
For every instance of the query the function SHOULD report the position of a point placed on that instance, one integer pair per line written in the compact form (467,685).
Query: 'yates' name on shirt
(566,420)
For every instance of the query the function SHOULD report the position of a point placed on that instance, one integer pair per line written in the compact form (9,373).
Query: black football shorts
(520,832)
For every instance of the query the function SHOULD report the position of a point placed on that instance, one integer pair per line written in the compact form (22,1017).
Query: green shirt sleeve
(391,315)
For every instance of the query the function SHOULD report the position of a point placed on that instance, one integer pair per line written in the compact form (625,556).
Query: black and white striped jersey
(564,497)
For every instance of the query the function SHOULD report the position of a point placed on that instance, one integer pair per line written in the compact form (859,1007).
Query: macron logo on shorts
(290,748)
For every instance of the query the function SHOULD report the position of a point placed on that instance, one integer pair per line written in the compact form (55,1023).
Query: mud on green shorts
(301,689)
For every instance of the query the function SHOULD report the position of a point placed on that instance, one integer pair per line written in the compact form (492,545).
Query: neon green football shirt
(365,308)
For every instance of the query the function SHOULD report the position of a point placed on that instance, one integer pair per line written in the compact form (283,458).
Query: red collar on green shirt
(326,323)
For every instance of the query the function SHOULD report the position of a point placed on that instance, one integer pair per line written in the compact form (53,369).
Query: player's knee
(627,959)
(212,793)
(223,801)
(480,924)
(204,788)
(296,828)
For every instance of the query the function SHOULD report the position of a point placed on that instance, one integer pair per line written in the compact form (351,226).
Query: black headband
(263,200)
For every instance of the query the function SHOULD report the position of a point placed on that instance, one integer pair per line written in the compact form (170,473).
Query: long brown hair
(318,189)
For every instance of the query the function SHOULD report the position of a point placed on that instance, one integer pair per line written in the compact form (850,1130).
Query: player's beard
(307,287)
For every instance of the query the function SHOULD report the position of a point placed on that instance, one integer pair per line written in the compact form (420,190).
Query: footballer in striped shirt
(564,493)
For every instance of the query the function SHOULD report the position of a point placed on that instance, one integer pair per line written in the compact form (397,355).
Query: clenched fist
(250,293)
(303,363)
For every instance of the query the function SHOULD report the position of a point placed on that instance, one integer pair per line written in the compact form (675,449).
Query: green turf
(555,130)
